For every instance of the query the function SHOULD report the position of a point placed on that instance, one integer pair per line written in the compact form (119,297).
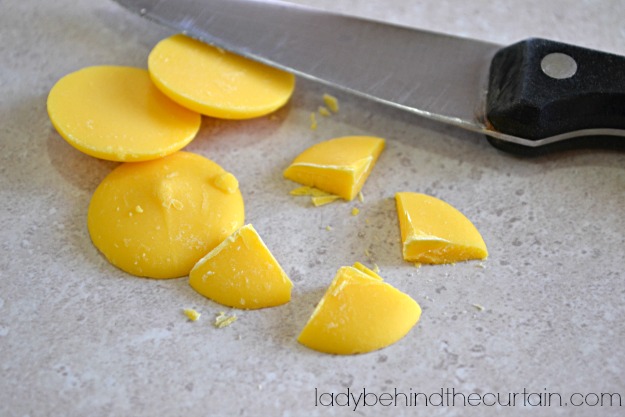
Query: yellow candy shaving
(331,102)
(191,314)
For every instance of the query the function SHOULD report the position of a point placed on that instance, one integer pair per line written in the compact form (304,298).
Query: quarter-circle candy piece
(359,313)
(241,272)
(337,166)
(434,232)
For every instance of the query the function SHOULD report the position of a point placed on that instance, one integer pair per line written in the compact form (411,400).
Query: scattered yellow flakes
(355,211)
(376,268)
(324,199)
(361,197)
(324,111)
(191,314)
(222,320)
(478,307)
(313,121)
(331,102)
(329,228)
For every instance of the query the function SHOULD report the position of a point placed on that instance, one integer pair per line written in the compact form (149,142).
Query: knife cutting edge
(534,95)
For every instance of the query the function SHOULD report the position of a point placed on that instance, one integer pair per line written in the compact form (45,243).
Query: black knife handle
(540,88)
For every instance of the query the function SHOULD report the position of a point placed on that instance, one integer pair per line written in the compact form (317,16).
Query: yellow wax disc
(157,218)
(117,113)
(215,82)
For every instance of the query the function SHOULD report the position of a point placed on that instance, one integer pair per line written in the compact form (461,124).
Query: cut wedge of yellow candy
(241,272)
(434,232)
(337,166)
(217,83)
(157,218)
(359,313)
(117,113)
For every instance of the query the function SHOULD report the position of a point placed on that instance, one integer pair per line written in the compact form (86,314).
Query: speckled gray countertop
(78,337)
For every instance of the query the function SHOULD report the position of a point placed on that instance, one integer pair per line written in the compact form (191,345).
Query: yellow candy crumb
(329,228)
(324,111)
(355,211)
(222,320)
(215,82)
(308,191)
(478,307)
(324,199)
(139,209)
(434,232)
(331,102)
(241,272)
(191,314)
(313,121)
(361,197)
(359,313)
(338,166)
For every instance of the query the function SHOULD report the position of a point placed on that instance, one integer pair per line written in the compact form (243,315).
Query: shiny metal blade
(437,76)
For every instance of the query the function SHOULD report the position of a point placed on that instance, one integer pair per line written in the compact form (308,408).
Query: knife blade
(534,95)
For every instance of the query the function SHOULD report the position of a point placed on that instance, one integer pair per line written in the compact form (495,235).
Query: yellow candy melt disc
(157,218)
(117,113)
(217,83)
(359,313)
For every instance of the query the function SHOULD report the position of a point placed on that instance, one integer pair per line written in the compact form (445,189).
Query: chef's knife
(533,95)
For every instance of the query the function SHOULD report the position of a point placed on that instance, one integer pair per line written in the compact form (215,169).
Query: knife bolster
(533,98)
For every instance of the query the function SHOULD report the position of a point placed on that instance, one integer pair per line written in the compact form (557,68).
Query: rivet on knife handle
(542,89)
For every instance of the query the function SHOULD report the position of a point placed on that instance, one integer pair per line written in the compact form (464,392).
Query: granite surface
(544,314)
